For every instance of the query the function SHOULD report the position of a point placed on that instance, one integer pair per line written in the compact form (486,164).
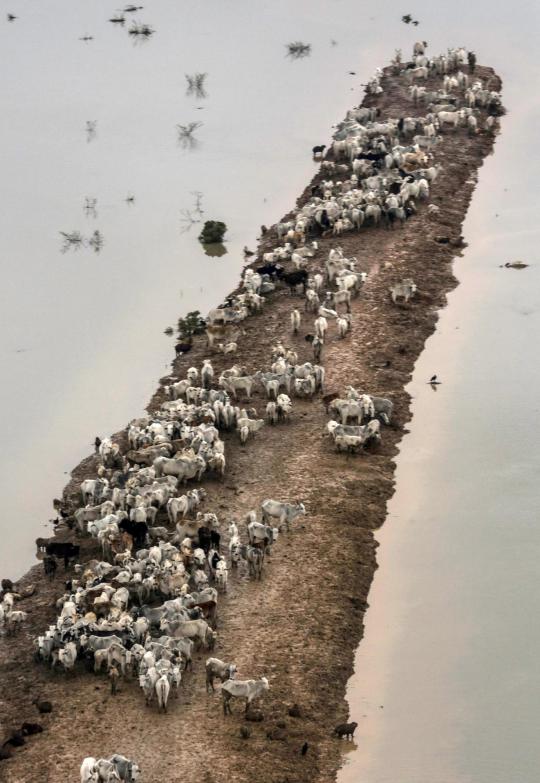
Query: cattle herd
(151,597)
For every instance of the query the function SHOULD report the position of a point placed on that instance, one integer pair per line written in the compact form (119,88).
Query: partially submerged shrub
(213,231)
(297,49)
(193,323)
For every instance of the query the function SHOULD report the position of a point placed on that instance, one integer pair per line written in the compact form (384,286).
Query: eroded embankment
(301,625)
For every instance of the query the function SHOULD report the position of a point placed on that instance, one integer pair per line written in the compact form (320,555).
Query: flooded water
(446,686)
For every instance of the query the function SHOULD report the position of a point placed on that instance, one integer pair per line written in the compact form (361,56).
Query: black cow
(137,530)
(31,728)
(49,566)
(183,347)
(273,270)
(65,550)
(215,560)
(292,279)
(324,220)
(372,156)
(346,729)
(7,586)
(205,538)
(215,539)
(318,149)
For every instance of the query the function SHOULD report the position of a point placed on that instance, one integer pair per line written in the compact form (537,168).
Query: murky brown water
(446,688)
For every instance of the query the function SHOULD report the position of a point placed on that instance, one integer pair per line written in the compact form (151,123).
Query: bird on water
(433,381)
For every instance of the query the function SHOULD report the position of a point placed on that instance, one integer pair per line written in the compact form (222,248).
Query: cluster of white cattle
(385,163)
(360,408)
(117,769)
(11,619)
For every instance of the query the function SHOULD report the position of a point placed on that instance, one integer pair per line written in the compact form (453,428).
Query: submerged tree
(297,49)
(194,215)
(139,29)
(193,323)
(196,84)
(72,240)
(96,241)
(90,207)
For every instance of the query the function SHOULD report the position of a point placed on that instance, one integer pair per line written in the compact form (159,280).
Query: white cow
(284,512)
(162,688)
(242,689)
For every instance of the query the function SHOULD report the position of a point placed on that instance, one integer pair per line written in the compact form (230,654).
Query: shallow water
(446,686)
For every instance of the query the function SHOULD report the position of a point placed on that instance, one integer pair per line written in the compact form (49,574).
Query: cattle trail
(296,628)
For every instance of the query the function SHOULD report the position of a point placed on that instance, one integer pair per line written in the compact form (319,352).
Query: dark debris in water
(139,29)
(514,265)
(297,49)
(74,240)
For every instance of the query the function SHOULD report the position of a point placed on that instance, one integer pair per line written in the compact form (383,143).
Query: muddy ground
(299,626)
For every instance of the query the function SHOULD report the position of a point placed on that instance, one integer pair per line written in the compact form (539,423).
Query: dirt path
(301,625)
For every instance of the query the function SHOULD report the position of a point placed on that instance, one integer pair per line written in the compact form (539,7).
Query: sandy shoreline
(301,626)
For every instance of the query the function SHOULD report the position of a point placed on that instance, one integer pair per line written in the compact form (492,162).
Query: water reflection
(90,207)
(186,139)
(216,249)
(196,82)
(96,241)
(91,130)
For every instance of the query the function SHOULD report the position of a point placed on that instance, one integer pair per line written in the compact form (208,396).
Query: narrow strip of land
(301,625)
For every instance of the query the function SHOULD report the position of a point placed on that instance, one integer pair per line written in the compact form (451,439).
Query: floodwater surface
(446,686)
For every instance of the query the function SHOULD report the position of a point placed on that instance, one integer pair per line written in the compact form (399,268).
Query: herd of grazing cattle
(149,600)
